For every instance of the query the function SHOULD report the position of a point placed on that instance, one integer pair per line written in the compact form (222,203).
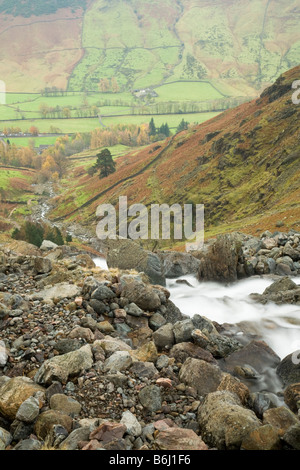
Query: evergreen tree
(152,128)
(182,126)
(54,235)
(165,130)
(33,233)
(105,163)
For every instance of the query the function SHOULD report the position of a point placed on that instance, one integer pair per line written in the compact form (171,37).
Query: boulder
(48,245)
(42,265)
(164,337)
(182,351)
(139,293)
(176,264)
(281,418)
(108,432)
(200,375)
(62,367)
(262,438)
(292,396)
(183,331)
(76,436)
(65,404)
(46,420)
(171,312)
(14,392)
(224,422)
(126,254)
(256,356)
(146,353)
(219,259)
(59,292)
(102,292)
(292,436)
(289,369)
(174,438)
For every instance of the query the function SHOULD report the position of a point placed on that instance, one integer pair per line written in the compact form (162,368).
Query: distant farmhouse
(145,92)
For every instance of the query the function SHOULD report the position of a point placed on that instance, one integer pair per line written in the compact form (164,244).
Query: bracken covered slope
(243,165)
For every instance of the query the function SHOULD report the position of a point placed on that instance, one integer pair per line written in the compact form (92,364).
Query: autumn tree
(114,85)
(104,85)
(34,130)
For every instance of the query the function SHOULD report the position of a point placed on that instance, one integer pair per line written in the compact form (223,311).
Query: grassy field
(193,91)
(69,126)
(37,141)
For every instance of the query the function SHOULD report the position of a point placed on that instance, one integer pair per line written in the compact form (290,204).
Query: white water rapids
(278,325)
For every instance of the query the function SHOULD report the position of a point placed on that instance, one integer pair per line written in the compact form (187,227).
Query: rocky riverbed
(93,358)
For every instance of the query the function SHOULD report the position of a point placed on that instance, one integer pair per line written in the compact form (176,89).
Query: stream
(277,325)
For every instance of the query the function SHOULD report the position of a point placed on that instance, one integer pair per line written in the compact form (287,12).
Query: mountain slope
(240,49)
(243,165)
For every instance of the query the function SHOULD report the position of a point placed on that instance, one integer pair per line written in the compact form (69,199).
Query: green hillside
(146,43)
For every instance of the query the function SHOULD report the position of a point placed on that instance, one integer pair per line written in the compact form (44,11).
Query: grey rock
(292,436)
(5,437)
(162,362)
(177,264)
(28,444)
(59,292)
(164,337)
(59,368)
(126,254)
(133,426)
(103,292)
(156,321)
(171,312)
(48,245)
(134,310)
(29,410)
(67,345)
(281,285)
(143,295)
(118,361)
(150,398)
(289,369)
(201,375)
(183,331)
(42,265)
(99,307)
(76,436)
(144,369)
(222,346)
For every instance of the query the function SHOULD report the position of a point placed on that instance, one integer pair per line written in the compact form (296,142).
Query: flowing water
(278,325)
